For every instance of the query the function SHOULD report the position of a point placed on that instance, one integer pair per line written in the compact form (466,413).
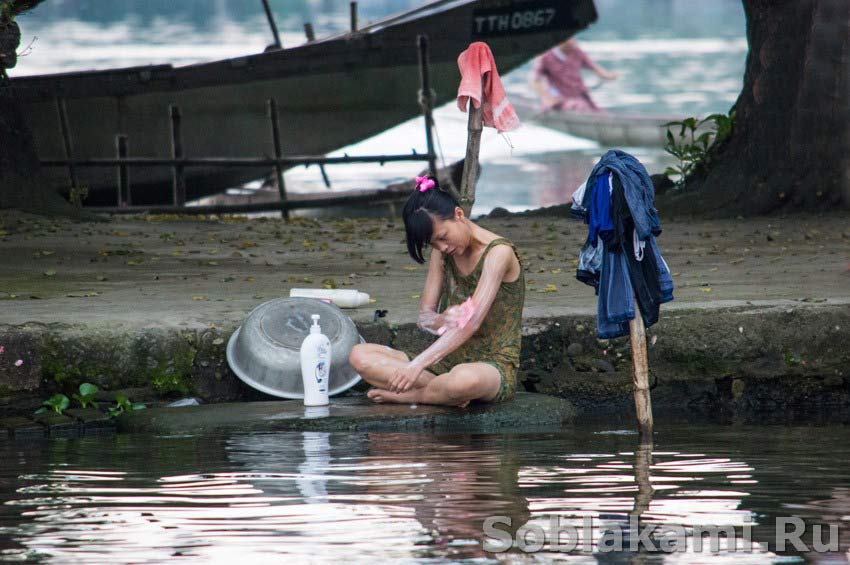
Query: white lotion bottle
(316,365)
(342,297)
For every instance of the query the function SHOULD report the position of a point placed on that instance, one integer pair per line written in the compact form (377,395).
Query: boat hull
(329,94)
(609,129)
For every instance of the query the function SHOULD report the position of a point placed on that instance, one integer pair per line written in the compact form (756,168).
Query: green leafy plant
(122,405)
(86,395)
(695,143)
(58,403)
(77,195)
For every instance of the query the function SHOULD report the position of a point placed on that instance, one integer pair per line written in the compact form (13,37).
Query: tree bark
(790,145)
(21,183)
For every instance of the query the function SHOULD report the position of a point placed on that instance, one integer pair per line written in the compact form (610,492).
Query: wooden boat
(330,93)
(609,129)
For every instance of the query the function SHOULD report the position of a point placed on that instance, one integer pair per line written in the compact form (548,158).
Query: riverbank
(146,305)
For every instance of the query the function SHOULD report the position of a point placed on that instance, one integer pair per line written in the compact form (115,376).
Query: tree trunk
(21,183)
(790,146)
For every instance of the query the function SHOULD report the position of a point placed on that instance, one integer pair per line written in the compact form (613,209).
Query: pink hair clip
(423,183)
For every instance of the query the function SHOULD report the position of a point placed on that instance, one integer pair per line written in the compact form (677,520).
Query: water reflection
(417,497)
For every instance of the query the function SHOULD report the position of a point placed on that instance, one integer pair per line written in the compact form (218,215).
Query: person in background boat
(557,78)
(476,356)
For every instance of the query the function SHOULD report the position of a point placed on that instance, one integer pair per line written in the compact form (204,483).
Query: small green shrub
(693,151)
(122,405)
(86,395)
(58,403)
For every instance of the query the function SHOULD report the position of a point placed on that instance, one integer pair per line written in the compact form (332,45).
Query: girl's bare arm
(429,320)
(497,264)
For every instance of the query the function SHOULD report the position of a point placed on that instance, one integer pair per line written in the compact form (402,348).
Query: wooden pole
(643,402)
(272,24)
(353,17)
(643,478)
(308,30)
(179,179)
(278,153)
(66,140)
(427,102)
(473,146)
(325,178)
(124,197)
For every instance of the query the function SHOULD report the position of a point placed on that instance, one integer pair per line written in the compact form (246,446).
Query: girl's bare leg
(377,364)
(465,382)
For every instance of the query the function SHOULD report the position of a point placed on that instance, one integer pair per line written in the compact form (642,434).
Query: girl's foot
(381,396)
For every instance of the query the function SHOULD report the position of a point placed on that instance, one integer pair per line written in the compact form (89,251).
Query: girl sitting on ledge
(476,356)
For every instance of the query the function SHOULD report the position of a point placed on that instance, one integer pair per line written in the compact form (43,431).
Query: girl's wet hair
(419,213)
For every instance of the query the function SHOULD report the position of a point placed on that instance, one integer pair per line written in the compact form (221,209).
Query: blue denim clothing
(610,267)
(600,214)
(665,279)
(640,194)
(615,306)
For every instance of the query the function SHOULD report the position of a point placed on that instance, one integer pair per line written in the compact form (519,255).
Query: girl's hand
(405,377)
(431,322)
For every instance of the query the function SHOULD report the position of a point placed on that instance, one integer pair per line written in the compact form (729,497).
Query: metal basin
(265,350)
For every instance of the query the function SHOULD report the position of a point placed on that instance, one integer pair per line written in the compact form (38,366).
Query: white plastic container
(344,298)
(316,365)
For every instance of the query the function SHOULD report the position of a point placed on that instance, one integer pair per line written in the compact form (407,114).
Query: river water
(424,498)
(676,57)
(299,497)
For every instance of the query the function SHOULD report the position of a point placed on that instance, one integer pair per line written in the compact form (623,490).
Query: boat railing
(179,162)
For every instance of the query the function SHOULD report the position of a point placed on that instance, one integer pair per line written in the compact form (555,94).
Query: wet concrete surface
(149,302)
(355,413)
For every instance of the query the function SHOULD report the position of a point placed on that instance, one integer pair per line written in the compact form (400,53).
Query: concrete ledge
(351,414)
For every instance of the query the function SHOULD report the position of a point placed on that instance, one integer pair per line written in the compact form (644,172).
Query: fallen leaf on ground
(199,297)
(705,289)
(549,288)
(50,273)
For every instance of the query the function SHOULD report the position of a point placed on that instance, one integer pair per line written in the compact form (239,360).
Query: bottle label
(321,374)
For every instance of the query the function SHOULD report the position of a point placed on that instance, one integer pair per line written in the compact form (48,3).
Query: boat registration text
(528,17)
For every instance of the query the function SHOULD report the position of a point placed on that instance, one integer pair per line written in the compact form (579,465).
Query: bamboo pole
(249,162)
(124,197)
(643,402)
(272,24)
(643,477)
(353,9)
(178,177)
(368,198)
(426,100)
(278,153)
(473,145)
(308,31)
(67,140)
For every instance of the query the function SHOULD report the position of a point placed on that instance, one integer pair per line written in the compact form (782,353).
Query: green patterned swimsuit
(498,340)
